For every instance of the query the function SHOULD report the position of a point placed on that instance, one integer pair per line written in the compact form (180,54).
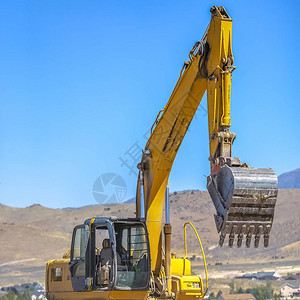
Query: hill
(289,180)
(31,236)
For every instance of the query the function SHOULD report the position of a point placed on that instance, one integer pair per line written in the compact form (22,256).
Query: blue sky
(82,82)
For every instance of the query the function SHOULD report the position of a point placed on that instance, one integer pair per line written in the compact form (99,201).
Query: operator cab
(110,254)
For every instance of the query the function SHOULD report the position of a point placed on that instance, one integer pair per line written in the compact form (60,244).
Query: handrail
(203,255)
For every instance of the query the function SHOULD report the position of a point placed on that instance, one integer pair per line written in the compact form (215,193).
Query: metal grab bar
(203,255)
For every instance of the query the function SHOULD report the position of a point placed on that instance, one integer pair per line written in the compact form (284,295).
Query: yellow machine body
(60,288)
(209,68)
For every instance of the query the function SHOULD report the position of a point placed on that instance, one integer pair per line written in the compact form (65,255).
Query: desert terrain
(31,236)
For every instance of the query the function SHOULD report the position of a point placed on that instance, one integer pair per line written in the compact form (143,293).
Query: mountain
(131,200)
(289,180)
(31,236)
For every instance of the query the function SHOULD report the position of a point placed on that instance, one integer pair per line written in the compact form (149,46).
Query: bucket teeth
(266,240)
(245,201)
(240,236)
(239,241)
(222,239)
(249,236)
(257,236)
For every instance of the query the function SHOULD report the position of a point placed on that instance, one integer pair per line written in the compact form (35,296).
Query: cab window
(79,243)
(132,256)
(104,257)
(78,253)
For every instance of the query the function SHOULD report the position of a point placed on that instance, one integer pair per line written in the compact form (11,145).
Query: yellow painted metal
(67,254)
(53,285)
(99,295)
(188,287)
(181,266)
(163,145)
(173,121)
(203,255)
(219,66)
(62,290)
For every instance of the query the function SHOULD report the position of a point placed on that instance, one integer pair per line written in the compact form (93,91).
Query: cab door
(78,260)
(100,255)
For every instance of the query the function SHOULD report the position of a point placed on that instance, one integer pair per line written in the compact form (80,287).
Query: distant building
(268,275)
(37,290)
(291,277)
(261,276)
(2,293)
(237,297)
(288,290)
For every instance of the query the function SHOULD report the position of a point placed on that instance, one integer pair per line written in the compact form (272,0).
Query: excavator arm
(160,151)
(244,197)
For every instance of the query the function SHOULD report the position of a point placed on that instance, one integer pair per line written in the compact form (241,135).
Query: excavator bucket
(245,201)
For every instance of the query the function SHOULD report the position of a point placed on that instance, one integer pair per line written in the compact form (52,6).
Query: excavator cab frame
(110,254)
(77,258)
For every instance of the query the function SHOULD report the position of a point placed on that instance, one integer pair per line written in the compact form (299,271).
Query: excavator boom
(244,197)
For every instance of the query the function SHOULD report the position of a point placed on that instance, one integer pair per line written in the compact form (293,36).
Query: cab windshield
(132,256)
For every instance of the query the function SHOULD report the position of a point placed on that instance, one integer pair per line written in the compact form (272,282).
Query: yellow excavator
(118,258)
